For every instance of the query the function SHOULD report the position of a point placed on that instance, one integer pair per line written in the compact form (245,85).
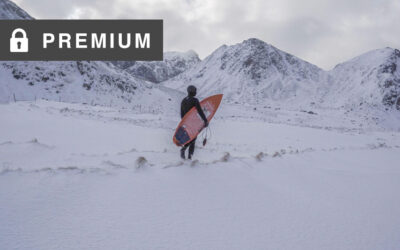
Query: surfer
(187,103)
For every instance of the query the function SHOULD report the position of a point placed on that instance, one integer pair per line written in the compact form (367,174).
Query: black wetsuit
(188,103)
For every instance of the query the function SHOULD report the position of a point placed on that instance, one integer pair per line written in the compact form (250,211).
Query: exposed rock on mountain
(369,79)
(253,72)
(173,64)
(9,10)
(78,81)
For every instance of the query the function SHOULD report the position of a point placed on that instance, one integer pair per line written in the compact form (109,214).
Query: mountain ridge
(93,82)
(250,71)
(253,72)
(10,10)
(173,64)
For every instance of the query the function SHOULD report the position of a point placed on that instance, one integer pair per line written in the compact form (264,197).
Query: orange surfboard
(192,124)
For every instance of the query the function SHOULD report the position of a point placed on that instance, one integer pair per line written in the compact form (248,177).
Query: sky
(322,32)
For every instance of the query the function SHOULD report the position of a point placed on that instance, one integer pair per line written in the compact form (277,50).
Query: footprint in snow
(141,162)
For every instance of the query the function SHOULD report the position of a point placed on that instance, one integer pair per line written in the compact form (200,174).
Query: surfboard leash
(207,134)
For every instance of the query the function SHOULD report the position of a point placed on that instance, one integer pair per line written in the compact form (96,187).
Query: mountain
(258,73)
(9,10)
(370,79)
(78,81)
(253,72)
(173,64)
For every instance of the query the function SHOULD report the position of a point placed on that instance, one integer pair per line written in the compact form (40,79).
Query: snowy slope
(253,72)
(277,172)
(173,64)
(77,176)
(370,79)
(95,83)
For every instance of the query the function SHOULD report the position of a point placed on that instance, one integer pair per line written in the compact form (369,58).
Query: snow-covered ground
(76,176)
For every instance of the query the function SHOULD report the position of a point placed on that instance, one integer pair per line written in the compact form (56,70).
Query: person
(187,104)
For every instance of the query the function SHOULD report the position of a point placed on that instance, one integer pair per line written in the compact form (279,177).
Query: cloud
(323,32)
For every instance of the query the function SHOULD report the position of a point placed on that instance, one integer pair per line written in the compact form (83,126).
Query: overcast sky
(323,32)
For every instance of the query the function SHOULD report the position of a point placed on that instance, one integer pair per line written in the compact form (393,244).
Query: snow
(76,176)
(253,72)
(256,72)
(92,82)
(173,64)
(370,79)
(95,83)
(298,157)
(9,10)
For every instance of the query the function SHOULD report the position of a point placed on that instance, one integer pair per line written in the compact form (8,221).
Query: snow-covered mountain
(256,72)
(81,82)
(370,79)
(9,10)
(253,72)
(173,64)
(78,81)
(96,83)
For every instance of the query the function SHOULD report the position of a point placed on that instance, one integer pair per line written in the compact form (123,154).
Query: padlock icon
(19,44)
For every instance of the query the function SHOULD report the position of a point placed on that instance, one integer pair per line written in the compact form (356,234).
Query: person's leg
(191,148)
(183,149)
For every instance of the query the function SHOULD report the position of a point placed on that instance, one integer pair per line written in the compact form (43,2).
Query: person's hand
(206,124)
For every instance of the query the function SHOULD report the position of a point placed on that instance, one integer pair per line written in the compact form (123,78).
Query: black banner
(70,40)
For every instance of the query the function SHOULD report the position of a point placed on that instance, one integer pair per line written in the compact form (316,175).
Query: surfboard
(192,124)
